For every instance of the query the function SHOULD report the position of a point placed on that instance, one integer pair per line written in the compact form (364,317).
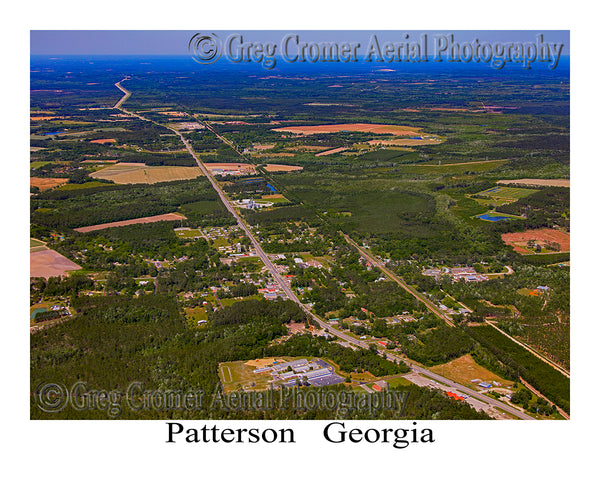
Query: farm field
(406,142)
(167,217)
(307,148)
(273,167)
(501,195)
(542,236)
(47,183)
(331,152)
(275,198)
(36,245)
(456,168)
(48,263)
(80,186)
(541,182)
(130,173)
(351,127)
(243,167)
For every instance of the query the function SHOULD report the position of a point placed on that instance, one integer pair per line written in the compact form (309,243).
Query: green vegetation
(538,373)
(143,288)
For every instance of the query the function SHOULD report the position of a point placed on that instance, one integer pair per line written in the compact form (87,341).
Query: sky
(175,42)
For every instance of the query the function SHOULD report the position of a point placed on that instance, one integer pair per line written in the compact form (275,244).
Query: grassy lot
(194,232)
(251,263)
(193,315)
(464,369)
(230,301)
(234,375)
(221,242)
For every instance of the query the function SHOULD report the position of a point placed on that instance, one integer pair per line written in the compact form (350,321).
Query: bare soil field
(264,147)
(102,141)
(273,167)
(48,263)
(542,182)
(518,240)
(261,362)
(127,173)
(275,196)
(331,152)
(294,328)
(155,218)
(47,183)
(39,119)
(351,127)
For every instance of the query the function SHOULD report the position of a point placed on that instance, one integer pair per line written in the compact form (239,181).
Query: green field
(82,186)
(35,243)
(501,195)
(191,233)
(38,164)
(451,168)
(273,199)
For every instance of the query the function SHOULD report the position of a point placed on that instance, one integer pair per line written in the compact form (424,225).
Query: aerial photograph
(299,225)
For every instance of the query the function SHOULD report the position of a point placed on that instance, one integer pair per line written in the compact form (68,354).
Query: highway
(379,264)
(292,296)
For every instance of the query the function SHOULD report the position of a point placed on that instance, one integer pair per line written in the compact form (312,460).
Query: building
(380,385)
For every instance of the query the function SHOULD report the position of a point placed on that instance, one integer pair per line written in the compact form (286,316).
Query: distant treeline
(71,209)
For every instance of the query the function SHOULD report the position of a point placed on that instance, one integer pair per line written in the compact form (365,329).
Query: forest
(115,340)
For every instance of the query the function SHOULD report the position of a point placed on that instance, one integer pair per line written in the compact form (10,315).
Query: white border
(489,449)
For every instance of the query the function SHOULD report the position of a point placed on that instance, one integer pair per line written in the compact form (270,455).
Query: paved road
(379,264)
(292,296)
(125,97)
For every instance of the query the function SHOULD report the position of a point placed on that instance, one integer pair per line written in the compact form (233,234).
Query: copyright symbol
(205,48)
(51,397)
